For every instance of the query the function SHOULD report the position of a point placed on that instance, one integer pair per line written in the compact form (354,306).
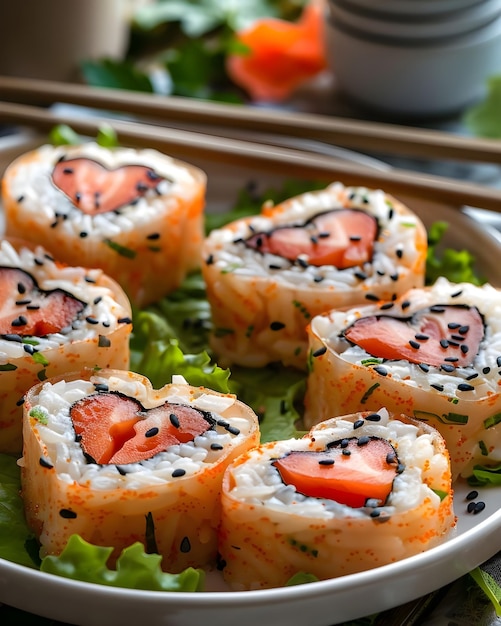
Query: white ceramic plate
(477,538)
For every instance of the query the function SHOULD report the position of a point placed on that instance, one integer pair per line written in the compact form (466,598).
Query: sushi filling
(342,238)
(158,185)
(443,335)
(48,305)
(207,431)
(353,471)
(415,473)
(473,369)
(384,250)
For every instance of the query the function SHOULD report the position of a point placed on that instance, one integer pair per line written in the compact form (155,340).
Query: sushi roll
(115,461)
(54,318)
(357,492)
(136,214)
(435,355)
(268,275)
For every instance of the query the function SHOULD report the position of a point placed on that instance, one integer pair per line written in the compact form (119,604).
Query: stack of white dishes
(416,58)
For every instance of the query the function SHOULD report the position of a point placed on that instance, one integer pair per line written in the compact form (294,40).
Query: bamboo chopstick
(361,135)
(285,161)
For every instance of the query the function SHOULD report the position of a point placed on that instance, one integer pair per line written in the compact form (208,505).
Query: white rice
(100,302)
(258,481)
(43,202)
(58,435)
(483,375)
(396,233)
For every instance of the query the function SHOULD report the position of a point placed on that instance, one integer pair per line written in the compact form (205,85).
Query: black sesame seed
(358,424)
(486,370)
(91,320)
(320,351)
(124,320)
(479,506)
(414,344)
(437,308)
(27,347)
(465,387)
(67,514)
(13,337)
(185,545)
(83,234)
(437,386)
(209,260)
(373,417)
(273,266)
(471,507)
(386,306)
(177,473)
(498,361)
(346,452)
(472,495)
(326,462)
(456,294)
(68,170)
(151,432)
(355,238)
(19,321)
(446,367)
(400,468)
(216,446)
(233,430)
(444,343)
(453,325)
(391,457)
(375,512)
(101,387)
(381,370)
(464,348)
(373,298)
(472,376)
(405,304)
(304,264)
(174,420)
(463,330)
(363,441)
(277,325)
(360,275)
(424,367)
(451,359)
(344,443)
(45,463)
(421,337)
(399,252)
(20,199)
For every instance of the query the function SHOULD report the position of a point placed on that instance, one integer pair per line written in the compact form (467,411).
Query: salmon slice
(351,471)
(27,310)
(95,189)
(440,335)
(116,429)
(342,237)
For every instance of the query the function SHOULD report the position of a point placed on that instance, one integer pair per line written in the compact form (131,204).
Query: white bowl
(412,80)
(453,24)
(411,8)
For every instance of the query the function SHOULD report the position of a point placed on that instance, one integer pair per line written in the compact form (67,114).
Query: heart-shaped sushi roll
(435,354)
(53,318)
(104,452)
(268,275)
(357,492)
(136,214)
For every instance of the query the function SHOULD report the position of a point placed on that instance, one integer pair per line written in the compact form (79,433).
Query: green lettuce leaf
(14,532)
(456,265)
(135,569)
(484,119)
(485,475)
